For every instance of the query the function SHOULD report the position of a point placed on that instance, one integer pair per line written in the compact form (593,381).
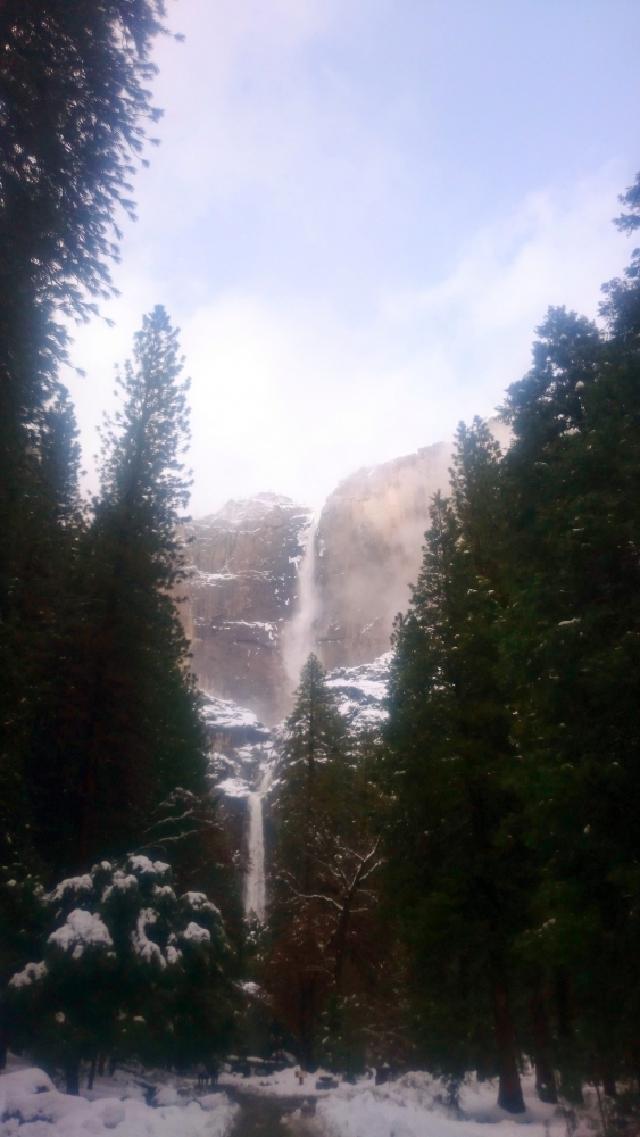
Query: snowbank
(30,1106)
(414,1106)
(285,1083)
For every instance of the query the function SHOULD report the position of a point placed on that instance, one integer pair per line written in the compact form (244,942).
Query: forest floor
(149,1104)
(414,1105)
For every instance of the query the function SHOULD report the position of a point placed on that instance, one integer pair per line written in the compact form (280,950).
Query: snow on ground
(415,1106)
(31,1106)
(283,1084)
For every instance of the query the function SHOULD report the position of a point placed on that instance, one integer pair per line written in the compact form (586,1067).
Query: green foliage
(130,968)
(101,746)
(126,730)
(572,652)
(454,856)
(513,739)
(75,97)
(323,967)
(74,100)
(621,308)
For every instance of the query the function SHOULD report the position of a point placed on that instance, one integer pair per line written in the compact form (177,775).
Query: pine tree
(572,489)
(314,741)
(128,968)
(458,870)
(133,734)
(621,308)
(73,104)
(38,617)
(326,927)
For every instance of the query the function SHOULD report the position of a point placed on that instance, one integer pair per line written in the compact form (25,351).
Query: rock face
(368,550)
(241,758)
(244,765)
(270,584)
(241,591)
(361,692)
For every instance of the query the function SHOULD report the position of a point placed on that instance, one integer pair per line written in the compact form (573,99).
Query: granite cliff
(242,589)
(368,550)
(270,583)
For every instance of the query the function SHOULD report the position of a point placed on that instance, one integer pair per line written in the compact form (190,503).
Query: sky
(358,213)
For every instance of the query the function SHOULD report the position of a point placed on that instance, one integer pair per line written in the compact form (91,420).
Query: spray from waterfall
(299,636)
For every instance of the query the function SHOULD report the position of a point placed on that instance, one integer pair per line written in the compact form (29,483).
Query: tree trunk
(545,1076)
(509,1089)
(72,1076)
(4,1040)
(570,1083)
(340,945)
(609,1086)
(92,1073)
(306,1016)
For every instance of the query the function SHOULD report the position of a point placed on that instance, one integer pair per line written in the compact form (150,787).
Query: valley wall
(270,583)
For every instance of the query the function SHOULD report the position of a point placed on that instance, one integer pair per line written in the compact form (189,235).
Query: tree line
(102,750)
(463,891)
(513,736)
(479,864)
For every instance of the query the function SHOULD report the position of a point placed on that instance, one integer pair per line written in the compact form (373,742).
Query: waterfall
(255,899)
(298,639)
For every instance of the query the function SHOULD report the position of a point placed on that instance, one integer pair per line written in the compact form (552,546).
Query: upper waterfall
(270,583)
(299,636)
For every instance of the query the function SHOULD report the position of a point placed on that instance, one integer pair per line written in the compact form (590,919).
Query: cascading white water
(255,899)
(299,635)
(297,642)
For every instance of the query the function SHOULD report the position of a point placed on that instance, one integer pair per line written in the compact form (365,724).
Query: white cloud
(289,395)
(234,101)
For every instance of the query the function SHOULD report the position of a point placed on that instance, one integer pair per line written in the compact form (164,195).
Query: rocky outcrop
(361,694)
(242,587)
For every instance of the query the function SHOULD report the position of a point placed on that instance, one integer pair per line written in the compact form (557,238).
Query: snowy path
(412,1106)
(263,1116)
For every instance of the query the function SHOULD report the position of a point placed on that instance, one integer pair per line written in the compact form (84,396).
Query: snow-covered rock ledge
(31,1106)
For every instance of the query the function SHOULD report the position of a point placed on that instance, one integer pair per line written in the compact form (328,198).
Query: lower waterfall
(255,897)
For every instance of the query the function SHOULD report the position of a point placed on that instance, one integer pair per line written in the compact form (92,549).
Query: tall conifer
(454,860)
(133,734)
